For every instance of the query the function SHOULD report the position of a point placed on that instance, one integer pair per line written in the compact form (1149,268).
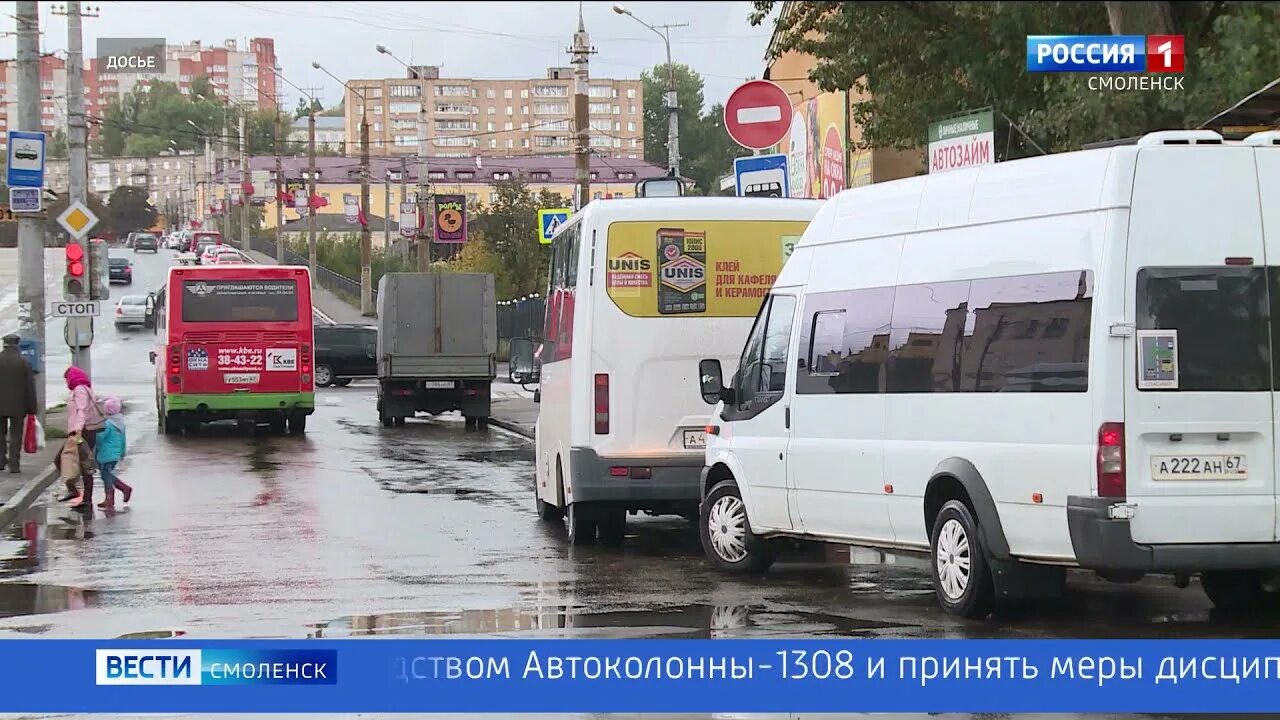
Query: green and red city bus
(234,342)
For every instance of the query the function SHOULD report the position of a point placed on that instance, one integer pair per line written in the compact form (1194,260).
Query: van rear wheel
(961,577)
(1234,590)
(727,539)
(581,527)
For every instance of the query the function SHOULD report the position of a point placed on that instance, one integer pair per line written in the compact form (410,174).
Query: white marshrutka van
(1065,361)
(639,290)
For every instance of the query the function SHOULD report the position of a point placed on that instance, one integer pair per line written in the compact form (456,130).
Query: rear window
(239,301)
(117,262)
(133,300)
(1223,318)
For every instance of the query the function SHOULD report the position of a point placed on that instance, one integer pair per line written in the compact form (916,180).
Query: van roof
(1018,189)
(698,208)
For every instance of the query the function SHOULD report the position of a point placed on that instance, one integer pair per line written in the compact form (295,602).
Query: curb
(511,427)
(26,496)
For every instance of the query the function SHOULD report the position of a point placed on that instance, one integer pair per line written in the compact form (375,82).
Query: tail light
(1111,481)
(602,404)
(119,310)
(175,366)
(306,363)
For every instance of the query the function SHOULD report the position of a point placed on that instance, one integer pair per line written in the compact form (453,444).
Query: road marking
(752,115)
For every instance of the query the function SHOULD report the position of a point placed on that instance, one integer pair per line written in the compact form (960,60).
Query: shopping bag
(69,459)
(41,441)
(30,443)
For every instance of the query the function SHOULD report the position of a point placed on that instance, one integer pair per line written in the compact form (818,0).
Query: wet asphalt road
(429,530)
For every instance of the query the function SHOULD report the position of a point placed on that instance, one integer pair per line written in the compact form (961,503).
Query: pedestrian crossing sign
(549,221)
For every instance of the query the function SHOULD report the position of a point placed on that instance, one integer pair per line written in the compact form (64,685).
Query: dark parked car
(345,352)
(120,270)
(146,241)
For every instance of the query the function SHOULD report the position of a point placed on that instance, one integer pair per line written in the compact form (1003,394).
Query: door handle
(787,417)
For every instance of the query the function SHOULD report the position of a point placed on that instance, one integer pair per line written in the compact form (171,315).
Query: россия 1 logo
(1106,53)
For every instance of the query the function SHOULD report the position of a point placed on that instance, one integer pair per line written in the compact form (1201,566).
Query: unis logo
(135,666)
(629,261)
(1106,53)
(684,274)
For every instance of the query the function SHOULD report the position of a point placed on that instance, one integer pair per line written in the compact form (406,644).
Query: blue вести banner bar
(526,676)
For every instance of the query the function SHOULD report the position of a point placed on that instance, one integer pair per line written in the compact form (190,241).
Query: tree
(508,227)
(338,110)
(129,209)
(57,145)
(922,61)
(477,256)
(305,109)
(706,150)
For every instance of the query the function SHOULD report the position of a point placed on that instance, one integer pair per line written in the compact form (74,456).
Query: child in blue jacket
(110,451)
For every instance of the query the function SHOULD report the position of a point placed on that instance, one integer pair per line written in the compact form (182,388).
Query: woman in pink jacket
(84,418)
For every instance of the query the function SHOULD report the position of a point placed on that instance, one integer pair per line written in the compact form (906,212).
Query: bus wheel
(297,424)
(582,524)
(399,421)
(612,526)
(278,425)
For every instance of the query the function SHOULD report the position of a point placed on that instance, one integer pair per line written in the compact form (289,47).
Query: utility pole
(386,211)
(366,239)
(581,52)
(31,300)
(279,192)
(226,175)
(426,202)
(311,182)
(404,198)
(671,100)
(78,165)
(244,181)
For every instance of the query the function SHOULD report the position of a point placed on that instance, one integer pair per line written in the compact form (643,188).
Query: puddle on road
(498,456)
(691,621)
(35,599)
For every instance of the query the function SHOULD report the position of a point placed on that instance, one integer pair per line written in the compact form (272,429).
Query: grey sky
(470,39)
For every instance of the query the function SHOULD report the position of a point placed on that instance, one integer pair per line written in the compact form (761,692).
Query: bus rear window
(1222,315)
(239,301)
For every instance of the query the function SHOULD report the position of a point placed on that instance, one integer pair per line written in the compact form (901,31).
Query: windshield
(133,300)
(239,300)
(118,262)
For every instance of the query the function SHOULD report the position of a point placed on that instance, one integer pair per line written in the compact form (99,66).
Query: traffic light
(73,284)
(100,284)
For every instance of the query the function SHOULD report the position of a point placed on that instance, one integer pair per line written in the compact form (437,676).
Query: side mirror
(537,395)
(710,381)
(153,357)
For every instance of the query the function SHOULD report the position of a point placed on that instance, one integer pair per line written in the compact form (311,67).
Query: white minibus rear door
(1267,160)
(1195,450)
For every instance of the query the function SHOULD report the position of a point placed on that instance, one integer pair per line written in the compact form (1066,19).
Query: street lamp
(672,102)
(425,202)
(366,241)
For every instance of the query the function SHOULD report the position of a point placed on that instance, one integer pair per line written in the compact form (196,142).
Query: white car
(209,253)
(131,310)
(174,241)
(227,256)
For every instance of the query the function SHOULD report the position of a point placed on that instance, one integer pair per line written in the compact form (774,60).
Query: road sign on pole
(758,114)
(77,219)
(75,308)
(24,199)
(549,221)
(762,176)
(26,159)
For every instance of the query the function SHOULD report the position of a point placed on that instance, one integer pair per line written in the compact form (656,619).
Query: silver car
(131,310)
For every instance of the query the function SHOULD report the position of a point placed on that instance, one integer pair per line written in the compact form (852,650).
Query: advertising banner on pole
(961,142)
(451,219)
(408,220)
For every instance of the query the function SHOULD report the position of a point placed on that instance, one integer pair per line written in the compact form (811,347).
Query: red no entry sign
(758,114)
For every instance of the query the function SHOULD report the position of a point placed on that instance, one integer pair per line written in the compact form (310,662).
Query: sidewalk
(329,307)
(20,490)
(515,413)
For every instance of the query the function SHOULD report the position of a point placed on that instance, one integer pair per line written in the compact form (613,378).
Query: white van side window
(827,343)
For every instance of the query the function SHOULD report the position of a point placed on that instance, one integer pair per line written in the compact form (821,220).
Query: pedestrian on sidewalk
(85,419)
(17,401)
(111,450)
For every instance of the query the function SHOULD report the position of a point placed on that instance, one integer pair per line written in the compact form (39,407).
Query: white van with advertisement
(1066,361)
(639,290)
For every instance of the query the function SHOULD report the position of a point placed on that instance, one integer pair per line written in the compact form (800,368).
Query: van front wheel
(961,577)
(726,533)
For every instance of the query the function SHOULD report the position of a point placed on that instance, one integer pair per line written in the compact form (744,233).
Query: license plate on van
(695,439)
(1199,467)
(437,385)
(240,378)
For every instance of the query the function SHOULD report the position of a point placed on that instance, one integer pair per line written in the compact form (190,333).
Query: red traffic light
(74,252)
(76,269)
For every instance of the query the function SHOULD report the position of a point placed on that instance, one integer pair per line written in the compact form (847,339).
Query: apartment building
(169,178)
(331,132)
(469,116)
(244,75)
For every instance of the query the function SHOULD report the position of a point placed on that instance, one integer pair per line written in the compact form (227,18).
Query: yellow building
(822,145)
(473,177)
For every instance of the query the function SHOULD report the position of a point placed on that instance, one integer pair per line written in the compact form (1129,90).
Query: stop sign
(758,114)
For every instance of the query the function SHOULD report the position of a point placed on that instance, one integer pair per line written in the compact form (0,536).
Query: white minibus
(1065,361)
(639,290)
